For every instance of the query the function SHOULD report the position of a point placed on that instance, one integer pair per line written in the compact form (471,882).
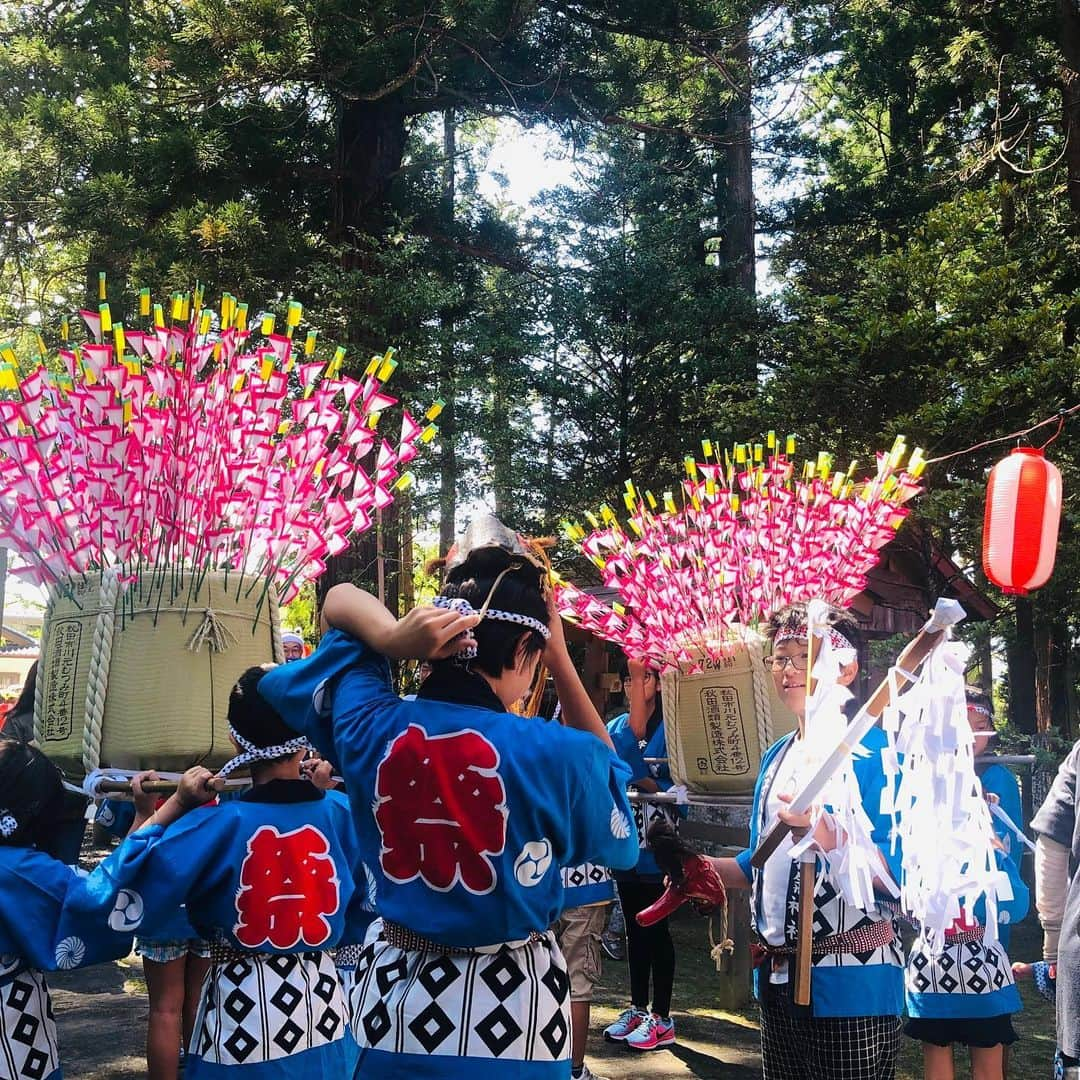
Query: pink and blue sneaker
(652,1033)
(629,1021)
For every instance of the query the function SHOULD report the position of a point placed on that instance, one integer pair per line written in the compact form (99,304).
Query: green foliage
(920,227)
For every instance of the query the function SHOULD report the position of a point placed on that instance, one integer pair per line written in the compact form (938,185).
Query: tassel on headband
(9,825)
(253,753)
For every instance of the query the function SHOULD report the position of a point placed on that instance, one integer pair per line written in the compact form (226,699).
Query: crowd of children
(413,928)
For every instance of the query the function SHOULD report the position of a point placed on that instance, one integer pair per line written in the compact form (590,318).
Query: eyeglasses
(778,663)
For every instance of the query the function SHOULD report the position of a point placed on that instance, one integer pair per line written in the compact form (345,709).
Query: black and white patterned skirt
(510,1004)
(267,1008)
(28,1049)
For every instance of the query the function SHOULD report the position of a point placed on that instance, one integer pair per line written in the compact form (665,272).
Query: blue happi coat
(49,921)
(841,985)
(973,980)
(535,797)
(634,751)
(269,876)
(466,816)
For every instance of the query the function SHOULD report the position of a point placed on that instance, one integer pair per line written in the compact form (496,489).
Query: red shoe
(690,877)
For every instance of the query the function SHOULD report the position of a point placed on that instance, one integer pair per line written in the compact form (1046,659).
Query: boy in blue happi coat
(266,880)
(965,992)
(641,742)
(466,814)
(851,1028)
(49,920)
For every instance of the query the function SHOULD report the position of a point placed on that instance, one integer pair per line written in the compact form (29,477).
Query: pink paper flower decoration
(749,537)
(200,445)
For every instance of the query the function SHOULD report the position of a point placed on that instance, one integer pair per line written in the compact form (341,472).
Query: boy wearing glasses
(851,1029)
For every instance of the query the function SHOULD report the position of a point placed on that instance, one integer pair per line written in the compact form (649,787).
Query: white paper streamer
(854,863)
(941,819)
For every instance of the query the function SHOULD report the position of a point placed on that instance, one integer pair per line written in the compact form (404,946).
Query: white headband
(802,633)
(253,753)
(463,607)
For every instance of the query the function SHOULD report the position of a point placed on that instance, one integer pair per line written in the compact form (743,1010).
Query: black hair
(252,716)
(520,591)
(31,796)
(793,618)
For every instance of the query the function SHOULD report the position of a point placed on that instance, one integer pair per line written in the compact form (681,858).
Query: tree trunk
(549,447)
(370,145)
(739,251)
(109,252)
(371,140)
(500,443)
(448,464)
(985,655)
(408,583)
(1043,649)
(388,538)
(1022,669)
(1058,675)
(1069,39)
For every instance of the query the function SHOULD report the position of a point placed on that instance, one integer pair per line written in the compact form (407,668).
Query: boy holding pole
(846,1024)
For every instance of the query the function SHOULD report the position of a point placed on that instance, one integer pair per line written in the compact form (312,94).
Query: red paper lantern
(1023,510)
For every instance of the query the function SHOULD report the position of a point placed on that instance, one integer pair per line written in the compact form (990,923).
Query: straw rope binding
(97,682)
(762,710)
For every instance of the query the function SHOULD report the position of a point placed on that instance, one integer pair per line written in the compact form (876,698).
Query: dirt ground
(101,1013)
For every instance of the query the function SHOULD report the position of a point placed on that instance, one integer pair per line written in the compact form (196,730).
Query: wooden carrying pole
(164,787)
(936,631)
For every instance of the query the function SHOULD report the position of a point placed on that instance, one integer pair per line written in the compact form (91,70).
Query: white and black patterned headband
(463,607)
(981,710)
(253,753)
(802,633)
(9,824)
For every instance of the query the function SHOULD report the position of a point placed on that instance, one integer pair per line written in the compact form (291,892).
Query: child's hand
(428,633)
(320,772)
(194,788)
(825,834)
(1044,974)
(145,801)
(556,644)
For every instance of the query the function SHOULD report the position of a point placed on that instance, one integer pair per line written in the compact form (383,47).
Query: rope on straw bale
(98,673)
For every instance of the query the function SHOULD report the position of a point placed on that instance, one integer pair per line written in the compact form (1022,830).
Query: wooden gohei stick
(804,943)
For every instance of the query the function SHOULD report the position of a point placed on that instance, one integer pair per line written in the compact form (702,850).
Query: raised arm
(578,710)
(425,633)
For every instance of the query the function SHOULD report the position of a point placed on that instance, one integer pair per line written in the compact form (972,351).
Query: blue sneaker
(629,1020)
